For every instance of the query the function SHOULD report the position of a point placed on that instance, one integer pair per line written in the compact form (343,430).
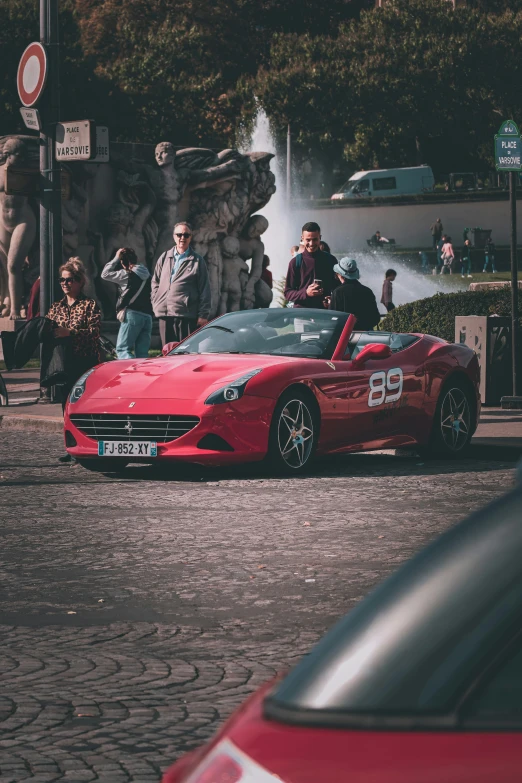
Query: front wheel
(103,465)
(293,434)
(452,424)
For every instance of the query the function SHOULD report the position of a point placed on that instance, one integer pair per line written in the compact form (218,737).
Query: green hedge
(436,314)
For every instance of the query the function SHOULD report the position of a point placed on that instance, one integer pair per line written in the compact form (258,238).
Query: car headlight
(79,387)
(233,391)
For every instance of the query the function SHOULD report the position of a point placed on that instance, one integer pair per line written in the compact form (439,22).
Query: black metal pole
(514,276)
(45,242)
(288,164)
(50,184)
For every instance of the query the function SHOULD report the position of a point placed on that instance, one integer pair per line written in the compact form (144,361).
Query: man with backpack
(310,278)
(133,308)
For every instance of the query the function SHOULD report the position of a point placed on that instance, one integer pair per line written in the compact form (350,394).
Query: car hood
(176,377)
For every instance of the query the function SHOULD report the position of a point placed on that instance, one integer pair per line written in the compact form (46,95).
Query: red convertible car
(420,683)
(275,384)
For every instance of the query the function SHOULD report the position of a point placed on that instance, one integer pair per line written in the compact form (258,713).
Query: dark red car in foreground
(420,683)
(276,384)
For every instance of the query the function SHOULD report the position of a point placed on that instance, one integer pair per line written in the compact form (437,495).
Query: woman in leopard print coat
(77,319)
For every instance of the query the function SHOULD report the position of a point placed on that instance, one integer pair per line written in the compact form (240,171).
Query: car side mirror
(168,348)
(373,351)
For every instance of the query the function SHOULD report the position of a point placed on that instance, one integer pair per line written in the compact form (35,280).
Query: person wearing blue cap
(354,297)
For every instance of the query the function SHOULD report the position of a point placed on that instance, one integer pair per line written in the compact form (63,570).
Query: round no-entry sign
(32,74)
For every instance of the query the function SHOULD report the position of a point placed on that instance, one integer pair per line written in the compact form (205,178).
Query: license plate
(125,448)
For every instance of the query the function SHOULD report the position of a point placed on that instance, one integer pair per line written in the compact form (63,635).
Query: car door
(384,396)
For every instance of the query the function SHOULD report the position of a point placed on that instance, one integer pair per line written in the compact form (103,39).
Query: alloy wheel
(455,418)
(295,434)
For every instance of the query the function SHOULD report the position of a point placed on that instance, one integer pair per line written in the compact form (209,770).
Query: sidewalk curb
(36,423)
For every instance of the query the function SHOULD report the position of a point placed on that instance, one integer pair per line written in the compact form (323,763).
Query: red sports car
(281,384)
(420,683)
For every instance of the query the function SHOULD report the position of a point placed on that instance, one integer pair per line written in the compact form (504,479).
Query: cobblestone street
(137,611)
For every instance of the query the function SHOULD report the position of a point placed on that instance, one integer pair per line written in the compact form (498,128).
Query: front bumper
(244,425)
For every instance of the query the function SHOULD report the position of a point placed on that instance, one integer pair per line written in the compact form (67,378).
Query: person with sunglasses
(180,288)
(69,335)
(76,319)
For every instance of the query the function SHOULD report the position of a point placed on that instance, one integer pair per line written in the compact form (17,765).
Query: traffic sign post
(508,157)
(31,118)
(32,73)
(508,153)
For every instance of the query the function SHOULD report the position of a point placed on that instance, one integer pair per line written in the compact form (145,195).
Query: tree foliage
(178,64)
(18,27)
(83,93)
(396,78)
(414,81)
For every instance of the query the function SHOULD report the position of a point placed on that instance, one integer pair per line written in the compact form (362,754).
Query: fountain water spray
(284,231)
(281,234)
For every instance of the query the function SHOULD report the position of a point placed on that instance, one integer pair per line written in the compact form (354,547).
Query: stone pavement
(136,612)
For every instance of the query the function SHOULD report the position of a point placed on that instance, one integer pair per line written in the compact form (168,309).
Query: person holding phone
(310,279)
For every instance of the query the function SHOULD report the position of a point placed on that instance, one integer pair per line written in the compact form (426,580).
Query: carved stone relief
(134,201)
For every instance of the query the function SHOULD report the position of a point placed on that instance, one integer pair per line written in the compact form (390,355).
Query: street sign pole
(288,164)
(508,157)
(50,183)
(514,277)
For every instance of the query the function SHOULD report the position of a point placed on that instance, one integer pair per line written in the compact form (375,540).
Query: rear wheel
(293,433)
(452,424)
(103,465)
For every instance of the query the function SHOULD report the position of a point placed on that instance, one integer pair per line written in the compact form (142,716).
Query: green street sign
(508,147)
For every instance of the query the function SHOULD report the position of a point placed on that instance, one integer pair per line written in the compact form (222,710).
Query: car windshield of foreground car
(301,332)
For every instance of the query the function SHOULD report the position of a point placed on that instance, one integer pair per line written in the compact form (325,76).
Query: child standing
(387,290)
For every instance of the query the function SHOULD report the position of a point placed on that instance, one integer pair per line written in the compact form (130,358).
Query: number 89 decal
(385,387)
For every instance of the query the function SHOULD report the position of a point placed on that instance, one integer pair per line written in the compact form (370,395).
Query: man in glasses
(180,288)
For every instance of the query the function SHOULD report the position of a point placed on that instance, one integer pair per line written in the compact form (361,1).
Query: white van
(387,182)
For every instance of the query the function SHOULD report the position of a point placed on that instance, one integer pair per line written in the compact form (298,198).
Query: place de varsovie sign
(508,147)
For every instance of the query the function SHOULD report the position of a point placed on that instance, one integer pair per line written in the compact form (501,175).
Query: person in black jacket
(310,277)
(353,297)
(133,307)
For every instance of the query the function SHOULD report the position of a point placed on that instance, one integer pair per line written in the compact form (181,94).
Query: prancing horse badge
(132,405)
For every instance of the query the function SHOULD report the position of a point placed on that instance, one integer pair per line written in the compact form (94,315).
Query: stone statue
(17,225)
(192,168)
(139,197)
(221,208)
(122,228)
(263,292)
(251,247)
(134,201)
(235,276)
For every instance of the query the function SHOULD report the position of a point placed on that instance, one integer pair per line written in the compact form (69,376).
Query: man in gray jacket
(180,290)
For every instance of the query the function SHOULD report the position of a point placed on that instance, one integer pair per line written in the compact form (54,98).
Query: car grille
(109,426)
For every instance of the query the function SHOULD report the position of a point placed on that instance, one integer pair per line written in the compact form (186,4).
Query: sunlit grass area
(461,283)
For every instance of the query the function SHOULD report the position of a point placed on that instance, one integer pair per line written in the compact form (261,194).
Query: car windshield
(279,332)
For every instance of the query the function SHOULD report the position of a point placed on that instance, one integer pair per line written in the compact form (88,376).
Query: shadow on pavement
(479,458)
